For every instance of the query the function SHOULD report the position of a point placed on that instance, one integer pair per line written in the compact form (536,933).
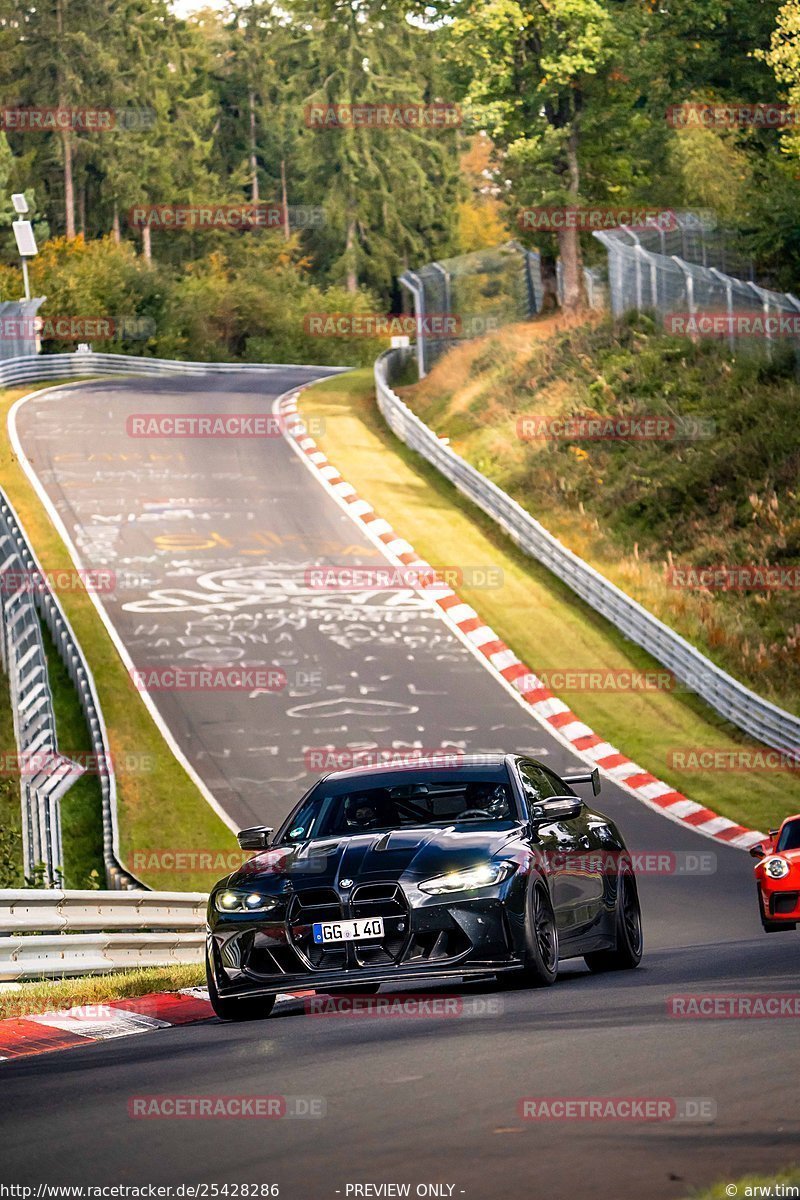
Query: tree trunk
(66,137)
(115,230)
(147,247)
(569,242)
(350,252)
(253,156)
(285,202)
(69,186)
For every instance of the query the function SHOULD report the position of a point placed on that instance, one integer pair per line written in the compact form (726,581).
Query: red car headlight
(776,867)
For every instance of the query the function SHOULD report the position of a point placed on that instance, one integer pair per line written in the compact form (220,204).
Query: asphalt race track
(210,540)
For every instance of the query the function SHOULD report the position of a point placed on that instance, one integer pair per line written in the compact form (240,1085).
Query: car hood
(408,853)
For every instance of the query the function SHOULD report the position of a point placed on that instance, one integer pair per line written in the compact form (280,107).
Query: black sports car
(450,870)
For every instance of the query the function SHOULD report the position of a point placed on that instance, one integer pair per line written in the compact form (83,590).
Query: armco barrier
(53,933)
(39,367)
(731,699)
(25,663)
(32,704)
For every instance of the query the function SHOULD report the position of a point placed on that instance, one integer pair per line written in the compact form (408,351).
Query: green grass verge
(11,870)
(160,808)
(752,1186)
(49,995)
(541,619)
(82,806)
(646,511)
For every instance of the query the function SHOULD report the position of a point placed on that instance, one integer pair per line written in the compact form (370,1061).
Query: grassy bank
(536,615)
(11,871)
(82,806)
(646,510)
(160,808)
(54,994)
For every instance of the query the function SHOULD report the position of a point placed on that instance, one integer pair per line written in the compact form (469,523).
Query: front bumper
(780,903)
(425,936)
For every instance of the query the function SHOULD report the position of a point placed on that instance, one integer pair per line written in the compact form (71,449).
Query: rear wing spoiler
(592,777)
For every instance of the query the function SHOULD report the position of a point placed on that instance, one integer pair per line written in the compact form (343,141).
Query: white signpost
(23,234)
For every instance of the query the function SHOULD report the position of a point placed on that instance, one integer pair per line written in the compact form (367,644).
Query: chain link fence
(17,327)
(471,294)
(698,286)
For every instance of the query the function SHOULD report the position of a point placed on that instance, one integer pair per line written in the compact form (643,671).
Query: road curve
(211,540)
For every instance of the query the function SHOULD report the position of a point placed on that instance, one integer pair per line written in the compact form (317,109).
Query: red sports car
(778,876)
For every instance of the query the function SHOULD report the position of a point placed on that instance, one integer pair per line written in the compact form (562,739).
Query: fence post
(728,282)
(687,275)
(412,282)
(764,298)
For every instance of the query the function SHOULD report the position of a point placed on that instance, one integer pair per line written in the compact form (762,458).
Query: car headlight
(237,902)
(486,875)
(776,868)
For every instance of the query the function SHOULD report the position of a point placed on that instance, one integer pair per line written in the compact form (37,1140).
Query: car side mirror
(757,851)
(557,808)
(255,838)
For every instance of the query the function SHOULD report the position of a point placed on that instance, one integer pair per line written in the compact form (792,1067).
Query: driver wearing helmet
(368,810)
(491,798)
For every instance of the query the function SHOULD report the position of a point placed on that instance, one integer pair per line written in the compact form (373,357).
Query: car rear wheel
(541,937)
(627,953)
(248,1009)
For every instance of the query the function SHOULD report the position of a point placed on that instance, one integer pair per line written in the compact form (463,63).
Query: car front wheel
(254,1008)
(541,936)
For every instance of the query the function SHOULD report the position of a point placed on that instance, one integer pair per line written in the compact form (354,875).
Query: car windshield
(337,808)
(790,836)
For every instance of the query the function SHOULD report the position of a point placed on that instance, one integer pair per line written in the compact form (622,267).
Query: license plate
(348,931)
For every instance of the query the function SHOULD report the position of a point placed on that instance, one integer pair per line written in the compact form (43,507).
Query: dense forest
(357,137)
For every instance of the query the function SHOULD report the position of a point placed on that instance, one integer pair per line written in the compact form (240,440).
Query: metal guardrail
(45,774)
(53,933)
(32,704)
(36,367)
(738,704)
